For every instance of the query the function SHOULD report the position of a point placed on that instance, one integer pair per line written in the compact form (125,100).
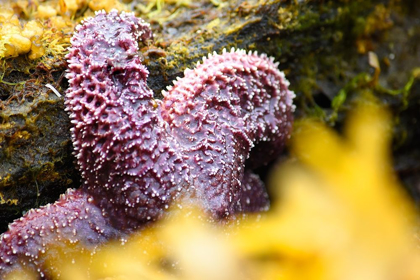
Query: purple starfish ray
(229,115)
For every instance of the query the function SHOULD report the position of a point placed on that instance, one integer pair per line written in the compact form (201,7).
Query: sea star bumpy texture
(229,115)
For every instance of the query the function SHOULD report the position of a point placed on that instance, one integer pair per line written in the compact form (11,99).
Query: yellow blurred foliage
(339,213)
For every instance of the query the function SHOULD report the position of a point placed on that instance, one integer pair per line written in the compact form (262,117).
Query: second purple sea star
(228,116)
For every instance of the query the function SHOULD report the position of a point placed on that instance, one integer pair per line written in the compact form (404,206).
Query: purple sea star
(229,115)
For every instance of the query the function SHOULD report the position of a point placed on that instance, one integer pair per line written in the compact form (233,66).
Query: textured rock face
(231,114)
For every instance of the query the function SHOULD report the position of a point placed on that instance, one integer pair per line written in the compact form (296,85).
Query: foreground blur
(338,213)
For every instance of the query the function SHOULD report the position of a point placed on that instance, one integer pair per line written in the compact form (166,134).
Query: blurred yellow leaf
(342,214)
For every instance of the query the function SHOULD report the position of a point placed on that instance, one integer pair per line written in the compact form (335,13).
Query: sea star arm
(253,196)
(219,112)
(128,161)
(73,219)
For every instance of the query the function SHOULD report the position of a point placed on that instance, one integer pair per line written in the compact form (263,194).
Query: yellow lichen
(61,24)
(45,28)
(15,40)
(46,11)
(37,50)
(34,30)
(12,42)
(106,5)
(212,24)
(5,179)
(7,201)
(15,44)
(68,8)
